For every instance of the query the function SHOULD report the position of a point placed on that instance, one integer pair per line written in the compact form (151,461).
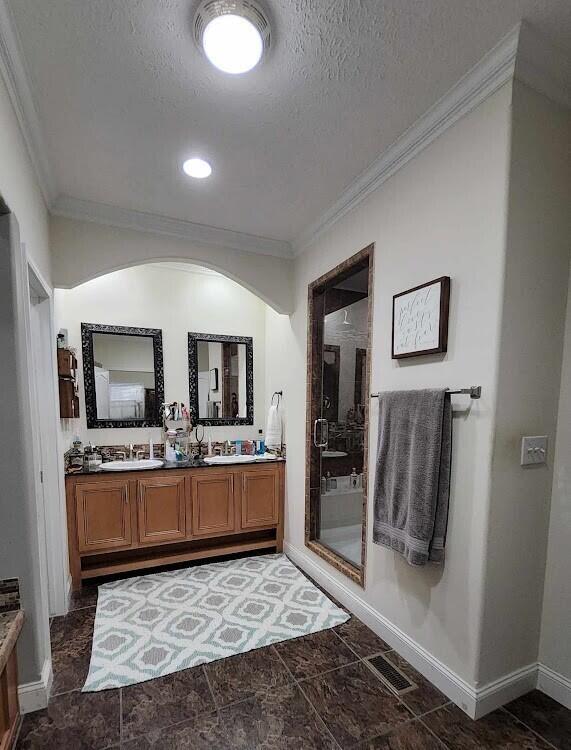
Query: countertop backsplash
(108,452)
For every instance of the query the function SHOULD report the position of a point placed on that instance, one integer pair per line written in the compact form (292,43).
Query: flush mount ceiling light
(198,168)
(234,34)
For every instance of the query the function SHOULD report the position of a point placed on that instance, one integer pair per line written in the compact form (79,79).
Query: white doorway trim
(48,463)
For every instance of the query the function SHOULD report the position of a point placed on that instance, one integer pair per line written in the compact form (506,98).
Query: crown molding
(495,69)
(124,218)
(13,72)
(523,54)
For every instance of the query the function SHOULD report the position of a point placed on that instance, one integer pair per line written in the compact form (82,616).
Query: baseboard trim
(554,685)
(475,701)
(457,689)
(34,696)
(505,689)
(68,593)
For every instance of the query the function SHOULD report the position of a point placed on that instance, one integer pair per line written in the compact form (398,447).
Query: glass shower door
(338,402)
(345,333)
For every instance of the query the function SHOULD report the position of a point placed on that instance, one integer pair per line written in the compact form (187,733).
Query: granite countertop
(200,464)
(10,626)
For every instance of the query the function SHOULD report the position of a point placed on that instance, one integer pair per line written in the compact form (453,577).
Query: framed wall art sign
(420,319)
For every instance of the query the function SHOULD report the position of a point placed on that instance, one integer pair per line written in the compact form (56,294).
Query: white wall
(444,213)
(19,188)
(555,643)
(84,250)
(283,361)
(533,317)
(19,542)
(177,301)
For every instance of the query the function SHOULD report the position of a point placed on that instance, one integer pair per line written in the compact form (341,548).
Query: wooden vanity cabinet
(213,507)
(260,498)
(103,515)
(9,706)
(161,510)
(139,520)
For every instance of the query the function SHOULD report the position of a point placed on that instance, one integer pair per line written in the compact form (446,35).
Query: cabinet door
(260,494)
(213,510)
(161,511)
(103,516)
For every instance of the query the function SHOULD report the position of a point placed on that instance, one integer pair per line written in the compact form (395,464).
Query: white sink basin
(143,463)
(229,459)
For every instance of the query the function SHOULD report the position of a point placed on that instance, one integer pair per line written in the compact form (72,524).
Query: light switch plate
(533,450)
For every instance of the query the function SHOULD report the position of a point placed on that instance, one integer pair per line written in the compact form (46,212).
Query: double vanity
(135,519)
(138,514)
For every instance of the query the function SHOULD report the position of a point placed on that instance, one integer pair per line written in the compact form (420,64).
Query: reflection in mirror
(345,336)
(123,375)
(338,372)
(220,378)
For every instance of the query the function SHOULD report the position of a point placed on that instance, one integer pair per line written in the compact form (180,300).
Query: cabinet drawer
(260,498)
(103,516)
(161,510)
(213,508)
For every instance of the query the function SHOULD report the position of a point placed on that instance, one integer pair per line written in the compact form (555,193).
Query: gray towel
(412,485)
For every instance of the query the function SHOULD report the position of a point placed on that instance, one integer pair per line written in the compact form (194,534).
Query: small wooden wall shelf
(67,379)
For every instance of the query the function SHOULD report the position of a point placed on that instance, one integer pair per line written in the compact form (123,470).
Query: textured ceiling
(124,96)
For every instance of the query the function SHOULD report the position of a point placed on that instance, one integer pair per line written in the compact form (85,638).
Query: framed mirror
(122,375)
(221,379)
(338,356)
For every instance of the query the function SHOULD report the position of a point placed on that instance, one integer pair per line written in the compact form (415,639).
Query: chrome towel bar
(474,391)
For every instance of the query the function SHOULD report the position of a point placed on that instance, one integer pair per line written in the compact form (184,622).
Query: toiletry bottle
(323,485)
(151,448)
(238,447)
(328,481)
(354,478)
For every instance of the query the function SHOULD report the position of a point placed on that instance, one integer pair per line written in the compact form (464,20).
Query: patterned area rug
(156,624)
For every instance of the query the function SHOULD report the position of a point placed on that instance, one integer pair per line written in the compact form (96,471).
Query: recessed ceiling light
(198,168)
(232,33)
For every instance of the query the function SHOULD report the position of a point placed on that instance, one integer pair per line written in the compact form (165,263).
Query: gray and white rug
(153,625)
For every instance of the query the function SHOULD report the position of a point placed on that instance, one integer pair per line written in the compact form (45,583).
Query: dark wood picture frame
(193,339)
(87,331)
(444,310)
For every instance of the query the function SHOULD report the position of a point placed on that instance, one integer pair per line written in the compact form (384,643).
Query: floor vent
(394,679)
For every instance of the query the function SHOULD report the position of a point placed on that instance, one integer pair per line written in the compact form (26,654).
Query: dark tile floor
(311,693)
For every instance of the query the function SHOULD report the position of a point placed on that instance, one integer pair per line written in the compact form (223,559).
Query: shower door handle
(324,433)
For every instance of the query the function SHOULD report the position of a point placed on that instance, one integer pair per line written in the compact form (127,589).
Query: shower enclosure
(338,409)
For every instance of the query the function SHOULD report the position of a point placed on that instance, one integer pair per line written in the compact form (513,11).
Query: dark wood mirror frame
(359,261)
(193,339)
(87,331)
